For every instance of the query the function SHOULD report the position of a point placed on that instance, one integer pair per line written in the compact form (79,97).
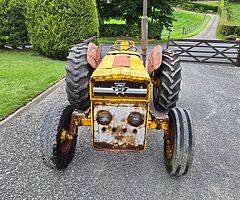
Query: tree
(55,25)
(100,14)
(160,12)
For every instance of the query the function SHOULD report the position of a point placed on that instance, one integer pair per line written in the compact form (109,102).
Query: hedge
(199,6)
(205,6)
(55,25)
(13,30)
(224,27)
(115,30)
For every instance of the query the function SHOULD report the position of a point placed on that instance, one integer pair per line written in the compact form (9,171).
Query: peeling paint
(119,134)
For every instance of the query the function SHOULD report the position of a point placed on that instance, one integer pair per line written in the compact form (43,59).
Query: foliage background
(160,13)
(13,30)
(55,25)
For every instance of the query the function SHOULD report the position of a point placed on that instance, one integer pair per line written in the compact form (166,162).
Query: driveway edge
(34,101)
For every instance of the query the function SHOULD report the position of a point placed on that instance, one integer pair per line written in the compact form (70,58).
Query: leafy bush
(155,30)
(55,25)
(199,6)
(188,6)
(13,30)
(205,6)
(114,30)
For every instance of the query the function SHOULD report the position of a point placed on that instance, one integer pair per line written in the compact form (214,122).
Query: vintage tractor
(113,97)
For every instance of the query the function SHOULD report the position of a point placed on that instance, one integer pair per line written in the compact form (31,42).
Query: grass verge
(186,19)
(24,75)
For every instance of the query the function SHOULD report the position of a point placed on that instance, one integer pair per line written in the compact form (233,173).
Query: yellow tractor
(112,95)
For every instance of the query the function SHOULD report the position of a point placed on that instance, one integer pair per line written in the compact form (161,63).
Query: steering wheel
(114,48)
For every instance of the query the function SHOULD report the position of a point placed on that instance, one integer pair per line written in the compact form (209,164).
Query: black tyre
(168,76)
(179,149)
(57,145)
(78,73)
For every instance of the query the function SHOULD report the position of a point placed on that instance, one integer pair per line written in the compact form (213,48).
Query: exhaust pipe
(144,39)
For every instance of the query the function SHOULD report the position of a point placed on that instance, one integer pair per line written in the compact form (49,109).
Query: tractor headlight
(104,117)
(135,119)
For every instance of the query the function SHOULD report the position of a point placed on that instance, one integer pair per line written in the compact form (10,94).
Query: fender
(155,59)
(93,55)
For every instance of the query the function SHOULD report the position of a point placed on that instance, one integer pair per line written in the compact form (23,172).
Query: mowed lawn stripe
(24,75)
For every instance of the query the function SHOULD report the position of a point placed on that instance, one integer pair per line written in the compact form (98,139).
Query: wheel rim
(169,146)
(66,141)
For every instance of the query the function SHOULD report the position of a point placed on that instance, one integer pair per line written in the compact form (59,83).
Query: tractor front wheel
(57,144)
(179,144)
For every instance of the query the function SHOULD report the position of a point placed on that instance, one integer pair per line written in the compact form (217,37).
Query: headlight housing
(135,119)
(104,117)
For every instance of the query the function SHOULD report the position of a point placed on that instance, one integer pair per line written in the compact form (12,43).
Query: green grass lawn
(186,19)
(234,13)
(24,75)
(183,19)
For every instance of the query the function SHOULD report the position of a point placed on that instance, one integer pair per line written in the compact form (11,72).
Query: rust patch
(121,61)
(119,134)
(107,146)
(155,59)
(93,55)
(168,139)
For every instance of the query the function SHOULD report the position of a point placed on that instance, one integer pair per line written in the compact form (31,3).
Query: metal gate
(207,51)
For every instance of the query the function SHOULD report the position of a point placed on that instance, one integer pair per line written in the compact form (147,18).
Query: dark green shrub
(13,30)
(3,23)
(205,7)
(114,30)
(154,31)
(188,6)
(55,25)
(199,6)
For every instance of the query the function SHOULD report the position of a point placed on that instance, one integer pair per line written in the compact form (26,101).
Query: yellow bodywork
(104,97)
(135,72)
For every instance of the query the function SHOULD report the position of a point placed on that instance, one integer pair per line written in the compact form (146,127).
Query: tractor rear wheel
(78,73)
(179,147)
(57,145)
(168,81)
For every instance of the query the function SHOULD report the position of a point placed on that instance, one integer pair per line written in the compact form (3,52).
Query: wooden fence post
(238,57)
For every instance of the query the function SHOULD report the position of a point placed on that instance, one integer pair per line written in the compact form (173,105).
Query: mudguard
(93,55)
(155,59)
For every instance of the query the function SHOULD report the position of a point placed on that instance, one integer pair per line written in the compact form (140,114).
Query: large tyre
(168,76)
(179,149)
(57,146)
(78,73)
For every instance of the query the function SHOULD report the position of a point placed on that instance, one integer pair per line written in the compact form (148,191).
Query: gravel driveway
(209,92)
